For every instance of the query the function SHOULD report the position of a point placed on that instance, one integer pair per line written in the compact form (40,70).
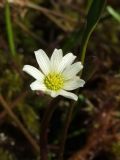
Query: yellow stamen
(54,81)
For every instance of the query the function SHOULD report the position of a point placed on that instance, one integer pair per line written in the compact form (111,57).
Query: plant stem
(19,124)
(44,129)
(65,131)
(9,29)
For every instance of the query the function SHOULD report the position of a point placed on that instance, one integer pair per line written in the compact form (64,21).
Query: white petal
(33,72)
(74,84)
(43,61)
(36,85)
(54,94)
(72,70)
(68,95)
(66,61)
(56,58)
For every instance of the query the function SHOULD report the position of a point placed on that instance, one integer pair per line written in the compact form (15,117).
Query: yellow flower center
(54,81)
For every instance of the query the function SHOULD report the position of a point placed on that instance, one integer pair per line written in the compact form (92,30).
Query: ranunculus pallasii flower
(57,75)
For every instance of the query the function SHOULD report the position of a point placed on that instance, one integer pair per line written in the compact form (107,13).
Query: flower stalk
(44,129)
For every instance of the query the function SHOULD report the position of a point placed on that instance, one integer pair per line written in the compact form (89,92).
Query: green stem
(9,29)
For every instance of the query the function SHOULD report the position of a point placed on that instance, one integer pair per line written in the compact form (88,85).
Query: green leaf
(89,2)
(93,17)
(82,35)
(113,13)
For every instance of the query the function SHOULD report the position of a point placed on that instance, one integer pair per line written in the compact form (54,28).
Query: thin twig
(48,13)
(17,100)
(19,124)
(43,10)
(52,12)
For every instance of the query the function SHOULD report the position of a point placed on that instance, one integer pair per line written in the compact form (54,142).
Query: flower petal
(33,72)
(43,61)
(36,85)
(74,84)
(68,95)
(72,70)
(56,58)
(54,94)
(66,61)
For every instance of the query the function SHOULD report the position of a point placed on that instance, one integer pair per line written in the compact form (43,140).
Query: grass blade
(113,13)
(9,29)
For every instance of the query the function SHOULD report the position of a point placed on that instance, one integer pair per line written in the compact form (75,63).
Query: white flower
(57,75)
